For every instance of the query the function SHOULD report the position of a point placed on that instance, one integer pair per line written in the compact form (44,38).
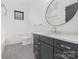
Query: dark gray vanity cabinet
(49,48)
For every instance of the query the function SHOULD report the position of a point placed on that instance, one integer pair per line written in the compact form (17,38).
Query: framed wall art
(18,15)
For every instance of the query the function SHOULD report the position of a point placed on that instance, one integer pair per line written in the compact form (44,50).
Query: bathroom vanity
(54,45)
(46,47)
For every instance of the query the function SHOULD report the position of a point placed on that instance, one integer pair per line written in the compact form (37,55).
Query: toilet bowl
(27,39)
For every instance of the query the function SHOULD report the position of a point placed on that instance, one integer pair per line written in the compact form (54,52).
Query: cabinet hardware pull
(64,57)
(63,46)
(61,56)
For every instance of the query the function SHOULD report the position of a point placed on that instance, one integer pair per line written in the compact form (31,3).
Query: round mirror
(60,12)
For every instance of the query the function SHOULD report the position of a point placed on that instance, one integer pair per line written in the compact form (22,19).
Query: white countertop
(73,38)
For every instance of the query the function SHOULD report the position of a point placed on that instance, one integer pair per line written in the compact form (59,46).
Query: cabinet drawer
(58,54)
(35,38)
(46,40)
(36,48)
(65,45)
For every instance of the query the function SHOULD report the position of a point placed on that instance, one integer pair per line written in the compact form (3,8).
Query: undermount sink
(51,32)
(60,33)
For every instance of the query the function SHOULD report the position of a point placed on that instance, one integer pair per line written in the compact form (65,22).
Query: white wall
(14,29)
(37,11)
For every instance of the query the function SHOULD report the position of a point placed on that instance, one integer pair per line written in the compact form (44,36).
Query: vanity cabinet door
(46,51)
